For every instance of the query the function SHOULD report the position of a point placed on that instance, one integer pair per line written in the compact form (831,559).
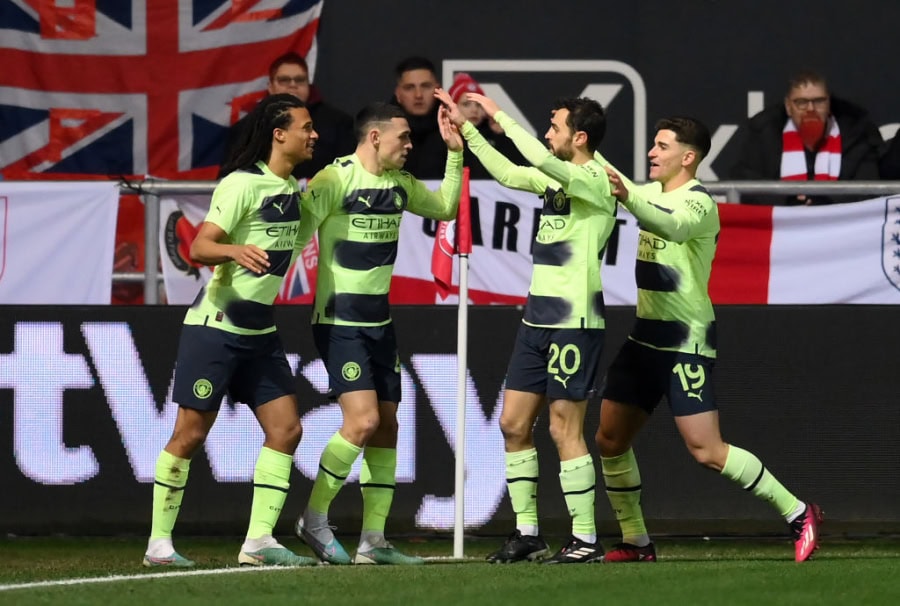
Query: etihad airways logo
(617,86)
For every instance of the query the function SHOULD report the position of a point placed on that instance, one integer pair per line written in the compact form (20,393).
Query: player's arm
(525,178)
(505,172)
(211,247)
(443,203)
(581,181)
(680,224)
(316,203)
(535,151)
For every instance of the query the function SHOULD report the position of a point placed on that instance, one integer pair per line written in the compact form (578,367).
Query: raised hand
(449,131)
(488,104)
(456,116)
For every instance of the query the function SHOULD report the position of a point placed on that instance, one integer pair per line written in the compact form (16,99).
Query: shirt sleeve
(680,224)
(442,204)
(525,178)
(578,180)
(229,204)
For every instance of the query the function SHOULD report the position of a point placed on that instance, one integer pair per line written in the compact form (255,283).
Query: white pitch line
(180,573)
(138,577)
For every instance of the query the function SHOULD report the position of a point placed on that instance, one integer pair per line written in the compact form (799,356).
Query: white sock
(370,539)
(797,512)
(251,545)
(317,524)
(587,538)
(527,530)
(160,548)
(639,541)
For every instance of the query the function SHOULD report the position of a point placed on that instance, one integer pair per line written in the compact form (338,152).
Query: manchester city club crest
(890,241)
(559,200)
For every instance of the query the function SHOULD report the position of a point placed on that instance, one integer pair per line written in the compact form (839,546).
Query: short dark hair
(585,115)
(415,62)
(290,58)
(254,142)
(688,131)
(806,76)
(377,113)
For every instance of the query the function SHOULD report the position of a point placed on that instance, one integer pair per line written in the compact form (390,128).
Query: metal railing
(151,190)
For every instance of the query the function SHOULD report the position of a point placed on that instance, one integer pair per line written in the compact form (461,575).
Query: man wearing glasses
(289,74)
(811,136)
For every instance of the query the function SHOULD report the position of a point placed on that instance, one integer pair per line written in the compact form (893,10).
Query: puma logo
(565,382)
(365,201)
(279,206)
(691,394)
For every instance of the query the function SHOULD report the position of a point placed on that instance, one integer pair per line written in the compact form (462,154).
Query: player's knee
(361,427)
(285,437)
(187,439)
(705,456)
(514,430)
(608,444)
(293,434)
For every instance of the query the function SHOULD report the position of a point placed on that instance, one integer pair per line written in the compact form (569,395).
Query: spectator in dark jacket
(289,74)
(812,136)
(890,163)
(414,92)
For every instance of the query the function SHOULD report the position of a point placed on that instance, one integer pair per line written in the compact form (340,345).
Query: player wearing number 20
(671,350)
(558,345)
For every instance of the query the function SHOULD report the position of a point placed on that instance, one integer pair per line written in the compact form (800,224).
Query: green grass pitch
(107,571)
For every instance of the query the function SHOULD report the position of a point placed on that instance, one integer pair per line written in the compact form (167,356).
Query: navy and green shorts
(360,358)
(211,362)
(558,362)
(641,376)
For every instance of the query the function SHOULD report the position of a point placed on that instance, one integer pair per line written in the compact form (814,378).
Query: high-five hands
(486,103)
(447,125)
(453,112)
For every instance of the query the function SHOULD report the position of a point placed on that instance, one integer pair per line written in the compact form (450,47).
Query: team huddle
(259,222)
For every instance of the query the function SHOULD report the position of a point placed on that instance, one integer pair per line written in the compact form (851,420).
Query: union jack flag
(136,87)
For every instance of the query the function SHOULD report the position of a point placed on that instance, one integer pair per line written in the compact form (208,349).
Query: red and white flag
(453,237)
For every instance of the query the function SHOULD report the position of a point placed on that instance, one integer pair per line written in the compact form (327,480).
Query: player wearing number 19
(558,345)
(671,350)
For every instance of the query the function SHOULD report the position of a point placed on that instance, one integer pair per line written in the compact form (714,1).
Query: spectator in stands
(416,81)
(812,136)
(890,163)
(492,132)
(289,74)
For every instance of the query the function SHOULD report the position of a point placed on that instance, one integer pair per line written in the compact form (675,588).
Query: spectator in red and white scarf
(811,136)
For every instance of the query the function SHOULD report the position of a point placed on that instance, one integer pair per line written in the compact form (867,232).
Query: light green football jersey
(676,247)
(578,216)
(256,207)
(357,215)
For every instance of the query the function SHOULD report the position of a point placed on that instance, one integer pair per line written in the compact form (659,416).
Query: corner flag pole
(464,248)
